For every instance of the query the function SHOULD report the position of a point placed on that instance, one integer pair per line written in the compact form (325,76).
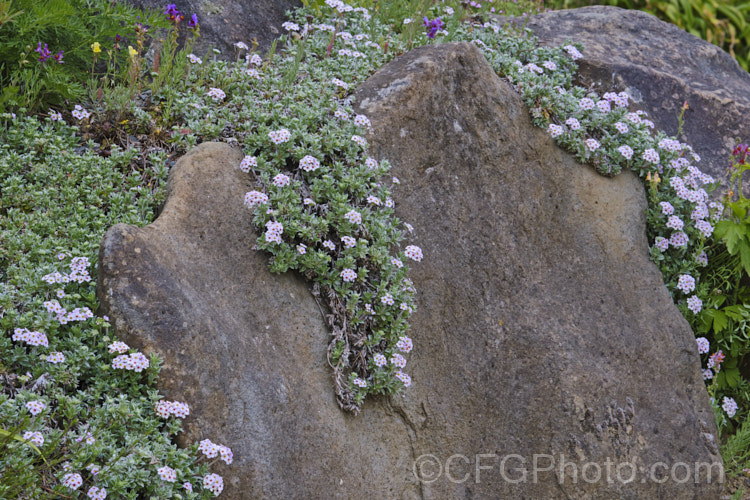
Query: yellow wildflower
(131,51)
(96,47)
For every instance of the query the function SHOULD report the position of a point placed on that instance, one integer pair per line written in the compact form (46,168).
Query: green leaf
(20,438)
(720,321)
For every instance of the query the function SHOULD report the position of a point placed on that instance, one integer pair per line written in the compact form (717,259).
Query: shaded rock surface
(542,327)
(661,66)
(225,22)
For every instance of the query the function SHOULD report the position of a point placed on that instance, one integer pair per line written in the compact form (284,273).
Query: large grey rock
(542,328)
(225,22)
(662,67)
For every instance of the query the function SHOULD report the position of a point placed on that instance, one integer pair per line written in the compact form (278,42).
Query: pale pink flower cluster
(651,155)
(403,377)
(360,382)
(31,338)
(216,94)
(348,275)
(353,217)
(398,361)
(670,145)
(214,483)
(329,245)
(248,163)
(309,163)
(626,151)
(55,116)
(63,316)
(387,299)
(78,272)
(396,262)
(280,136)
(290,26)
(136,362)
(622,128)
(72,481)
(573,123)
(661,243)
(194,59)
(404,344)
(586,103)
(686,283)
(574,53)
(729,406)
(379,360)
(675,223)
(550,65)
(361,141)
(695,304)
(374,200)
(666,208)
(340,83)
(254,199)
(555,130)
(254,59)
(349,242)
(274,231)
(351,53)
(371,163)
(678,239)
(166,408)
(55,357)
(120,347)
(341,114)
(80,112)
(592,144)
(96,493)
(167,474)
(34,437)
(211,450)
(281,180)
(362,121)
(414,253)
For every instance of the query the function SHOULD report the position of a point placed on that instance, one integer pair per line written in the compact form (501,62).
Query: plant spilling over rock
(321,204)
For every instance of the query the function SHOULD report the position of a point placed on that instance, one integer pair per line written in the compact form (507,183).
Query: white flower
(686,283)
(414,253)
(729,406)
(703,345)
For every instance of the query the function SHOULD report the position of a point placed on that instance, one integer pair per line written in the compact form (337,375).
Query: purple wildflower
(433,26)
(173,14)
(44,53)
(193,23)
(59,57)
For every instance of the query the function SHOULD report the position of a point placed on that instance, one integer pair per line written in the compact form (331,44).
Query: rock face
(661,66)
(225,22)
(546,345)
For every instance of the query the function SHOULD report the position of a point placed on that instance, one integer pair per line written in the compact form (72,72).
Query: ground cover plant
(79,411)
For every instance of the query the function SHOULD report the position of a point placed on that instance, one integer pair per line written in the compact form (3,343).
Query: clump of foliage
(46,47)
